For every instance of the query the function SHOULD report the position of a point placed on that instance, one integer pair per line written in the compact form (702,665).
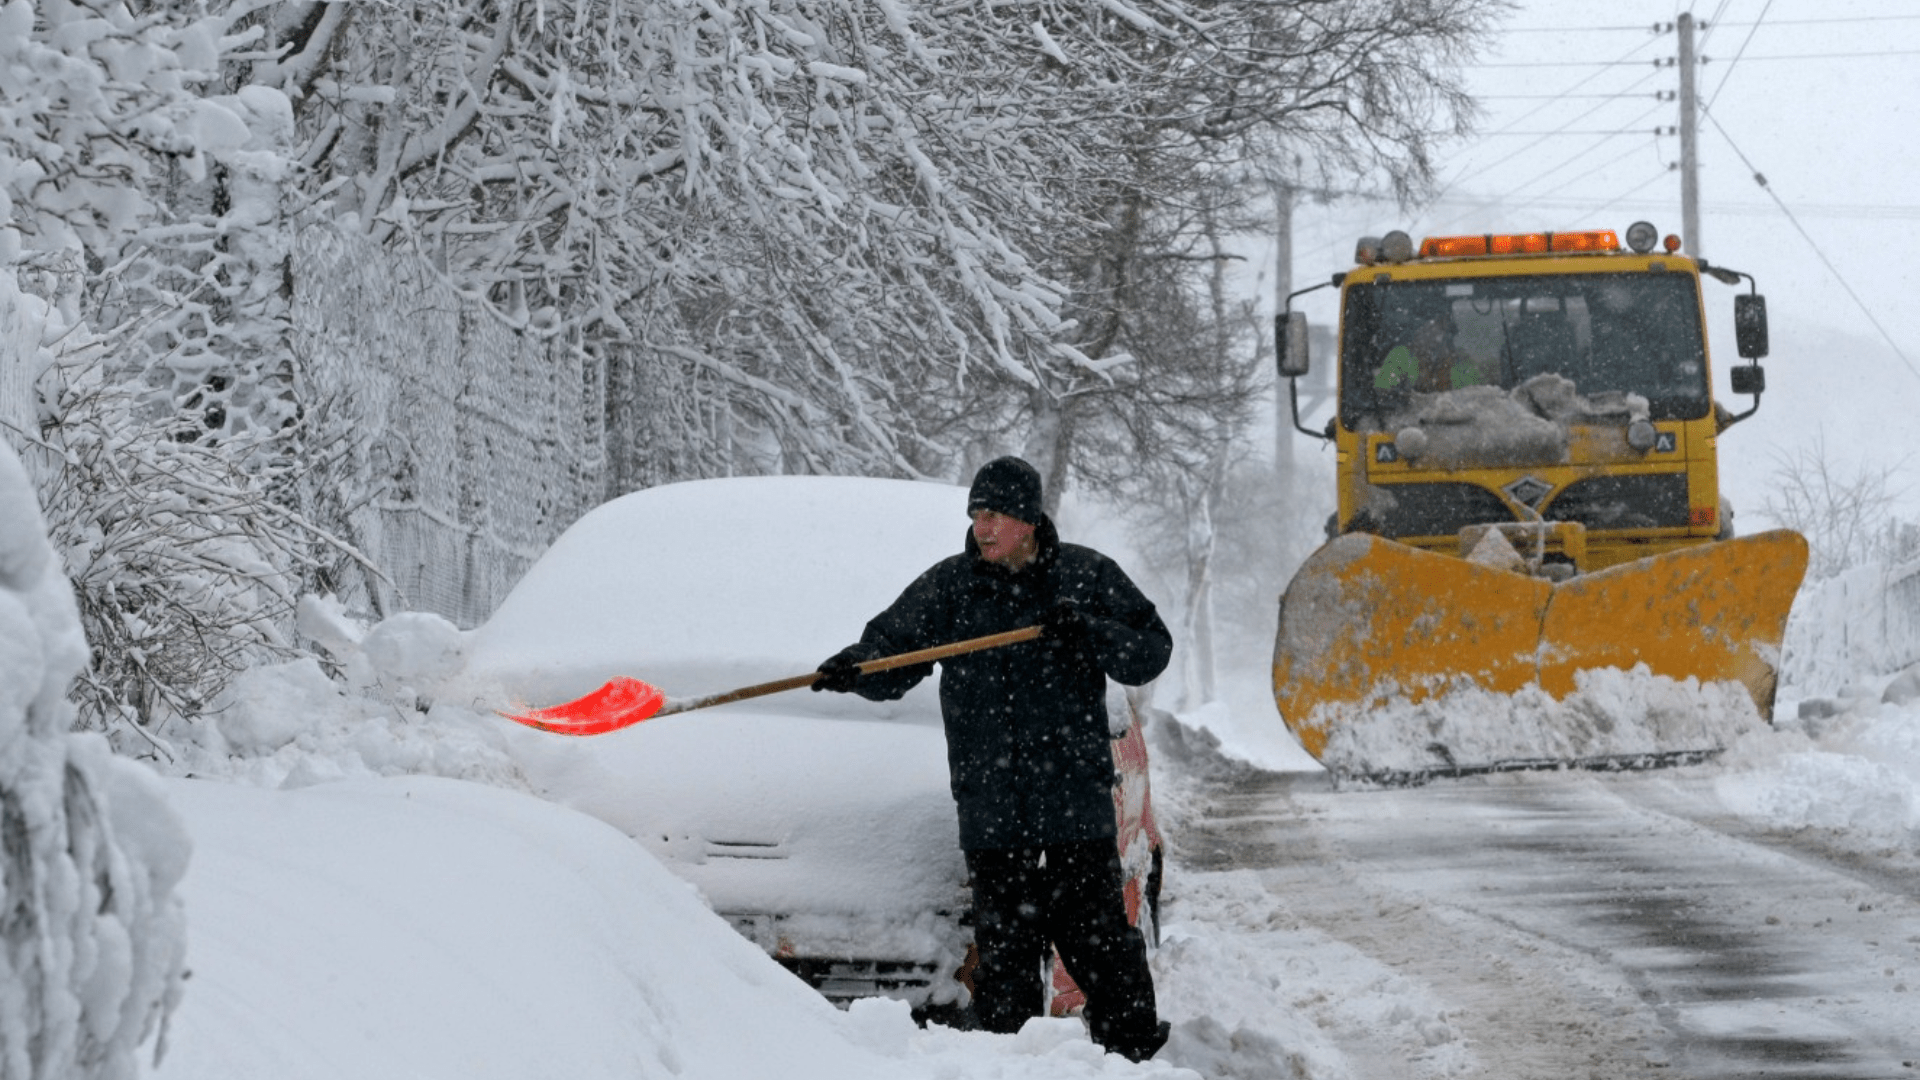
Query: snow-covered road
(1576,925)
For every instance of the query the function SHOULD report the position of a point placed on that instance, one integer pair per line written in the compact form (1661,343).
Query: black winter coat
(1028,746)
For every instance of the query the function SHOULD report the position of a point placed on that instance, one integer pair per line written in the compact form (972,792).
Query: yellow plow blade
(1716,612)
(1370,628)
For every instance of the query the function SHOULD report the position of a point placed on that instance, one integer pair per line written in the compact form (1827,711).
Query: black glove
(838,673)
(1064,622)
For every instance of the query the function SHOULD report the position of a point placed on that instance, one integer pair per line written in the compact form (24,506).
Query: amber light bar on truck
(1540,243)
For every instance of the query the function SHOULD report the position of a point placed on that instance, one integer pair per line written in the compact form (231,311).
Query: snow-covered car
(820,825)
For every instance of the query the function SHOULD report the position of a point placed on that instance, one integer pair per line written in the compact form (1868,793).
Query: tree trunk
(1201,683)
(1049,447)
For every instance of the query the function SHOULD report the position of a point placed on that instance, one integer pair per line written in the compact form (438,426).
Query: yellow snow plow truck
(1531,565)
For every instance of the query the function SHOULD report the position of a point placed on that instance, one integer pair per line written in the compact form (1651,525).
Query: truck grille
(1432,510)
(1639,501)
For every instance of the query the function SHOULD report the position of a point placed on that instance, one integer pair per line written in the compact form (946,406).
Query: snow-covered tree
(817,234)
(144,202)
(92,933)
(763,220)
(1180,118)
(779,235)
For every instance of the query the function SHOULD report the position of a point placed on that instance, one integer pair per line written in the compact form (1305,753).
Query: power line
(1667,61)
(1644,28)
(1835,56)
(1530,113)
(1830,22)
(1657,129)
(1760,178)
(1577,155)
(1661,95)
(1715,96)
(1882,212)
(1631,192)
(1709,25)
(1657,62)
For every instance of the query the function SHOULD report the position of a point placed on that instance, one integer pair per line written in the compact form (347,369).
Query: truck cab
(1553,387)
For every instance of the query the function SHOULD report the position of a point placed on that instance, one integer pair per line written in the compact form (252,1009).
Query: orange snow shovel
(624,702)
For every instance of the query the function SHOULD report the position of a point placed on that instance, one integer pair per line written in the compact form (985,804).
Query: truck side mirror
(1290,333)
(1750,378)
(1750,326)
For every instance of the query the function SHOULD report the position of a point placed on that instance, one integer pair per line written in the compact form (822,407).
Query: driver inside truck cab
(1428,362)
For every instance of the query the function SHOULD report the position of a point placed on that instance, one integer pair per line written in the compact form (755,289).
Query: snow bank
(1864,621)
(1850,769)
(91,931)
(430,928)
(1843,756)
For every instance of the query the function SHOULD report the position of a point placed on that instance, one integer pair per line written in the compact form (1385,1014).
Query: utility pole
(1283,196)
(1689,157)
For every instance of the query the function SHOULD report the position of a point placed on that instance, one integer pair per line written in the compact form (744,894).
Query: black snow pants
(1069,896)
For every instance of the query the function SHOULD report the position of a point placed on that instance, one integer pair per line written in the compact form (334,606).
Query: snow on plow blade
(1398,664)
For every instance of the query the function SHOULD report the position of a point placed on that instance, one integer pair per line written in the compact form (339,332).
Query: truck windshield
(1639,333)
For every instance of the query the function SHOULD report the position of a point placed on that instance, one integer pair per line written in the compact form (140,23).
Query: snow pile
(430,928)
(1843,756)
(1862,621)
(1611,713)
(292,724)
(91,931)
(1191,743)
(1485,425)
(1849,767)
(1476,425)
(845,828)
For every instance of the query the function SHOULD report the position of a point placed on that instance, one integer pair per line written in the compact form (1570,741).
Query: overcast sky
(1816,95)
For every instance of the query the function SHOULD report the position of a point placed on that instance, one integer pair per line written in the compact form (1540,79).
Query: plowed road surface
(1581,926)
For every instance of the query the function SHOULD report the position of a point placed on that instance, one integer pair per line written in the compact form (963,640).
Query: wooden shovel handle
(867,667)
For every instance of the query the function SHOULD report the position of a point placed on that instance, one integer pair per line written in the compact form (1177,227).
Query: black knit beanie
(1009,486)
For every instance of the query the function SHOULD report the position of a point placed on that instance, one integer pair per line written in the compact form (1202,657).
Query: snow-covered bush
(92,933)
(185,561)
(1847,518)
(141,203)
